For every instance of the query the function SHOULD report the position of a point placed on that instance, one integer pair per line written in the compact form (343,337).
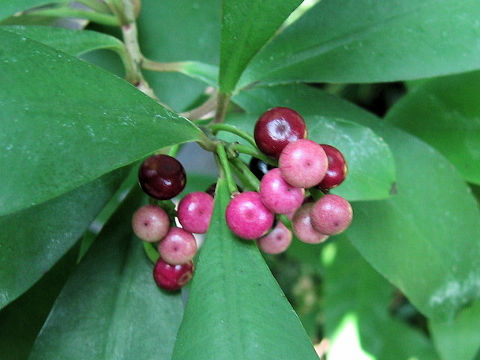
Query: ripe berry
(162,177)
(276,241)
(278,196)
(150,223)
(247,217)
(178,246)
(331,215)
(278,127)
(303,163)
(337,168)
(172,277)
(259,167)
(302,226)
(195,211)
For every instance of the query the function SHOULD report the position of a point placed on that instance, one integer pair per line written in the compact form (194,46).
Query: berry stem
(246,149)
(285,221)
(215,128)
(225,166)
(151,251)
(67,12)
(245,179)
(316,193)
(222,105)
(148,64)
(96,5)
(250,178)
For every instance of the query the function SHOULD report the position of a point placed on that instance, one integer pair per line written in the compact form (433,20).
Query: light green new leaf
(111,307)
(246,26)
(445,113)
(73,42)
(10,7)
(357,321)
(459,338)
(32,240)
(371,169)
(408,237)
(66,122)
(372,41)
(236,309)
(172,30)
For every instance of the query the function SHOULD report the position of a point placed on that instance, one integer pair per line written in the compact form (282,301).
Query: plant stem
(162,66)
(204,109)
(222,105)
(150,251)
(225,165)
(234,130)
(66,12)
(246,149)
(245,174)
(285,220)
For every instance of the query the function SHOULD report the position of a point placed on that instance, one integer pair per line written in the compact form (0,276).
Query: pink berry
(278,127)
(276,241)
(172,277)
(277,195)
(150,223)
(337,168)
(303,163)
(178,246)
(247,217)
(331,215)
(194,212)
(302,226)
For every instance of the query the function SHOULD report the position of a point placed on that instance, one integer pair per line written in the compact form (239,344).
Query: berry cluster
(304,166)
(162,177)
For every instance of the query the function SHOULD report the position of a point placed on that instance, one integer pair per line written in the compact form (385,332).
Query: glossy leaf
(65,123)
(21,320)
(236,309)
(111,307)
(433,209)
(357,321)
(32,240)
(371,169)
(10,7)
(246,26)
(73,42)
(171,30)
(372,41)
(459,338)
(446,114)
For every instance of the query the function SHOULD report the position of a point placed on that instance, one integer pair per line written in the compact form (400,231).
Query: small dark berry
(172,277)
(162,177)
(278,127)
(337,168)
(211,190)
(259,167)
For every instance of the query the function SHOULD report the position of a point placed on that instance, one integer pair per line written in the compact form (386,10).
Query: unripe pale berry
(276,241)
(277,195)
(172,277)
(194,212)
(331,215)
(247,217)
(337,168)
(178,246)
(150,223)
(302,226)
(162,177)
(303,163)
(278,127)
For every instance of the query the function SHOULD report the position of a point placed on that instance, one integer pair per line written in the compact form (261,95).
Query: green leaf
(371,169)
(10,7)
(446,114)
(236,309)
(73,42)
(372,41)
(459,338)
(66,122)
(246,26)
(111,307)
(408,237)
(357,321)
(171,30)
(21,320)
(32,240)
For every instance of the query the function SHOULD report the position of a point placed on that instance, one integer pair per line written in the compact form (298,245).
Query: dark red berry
(162,177)
(278,127)
(172,277)
(259,167)
(337,168)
